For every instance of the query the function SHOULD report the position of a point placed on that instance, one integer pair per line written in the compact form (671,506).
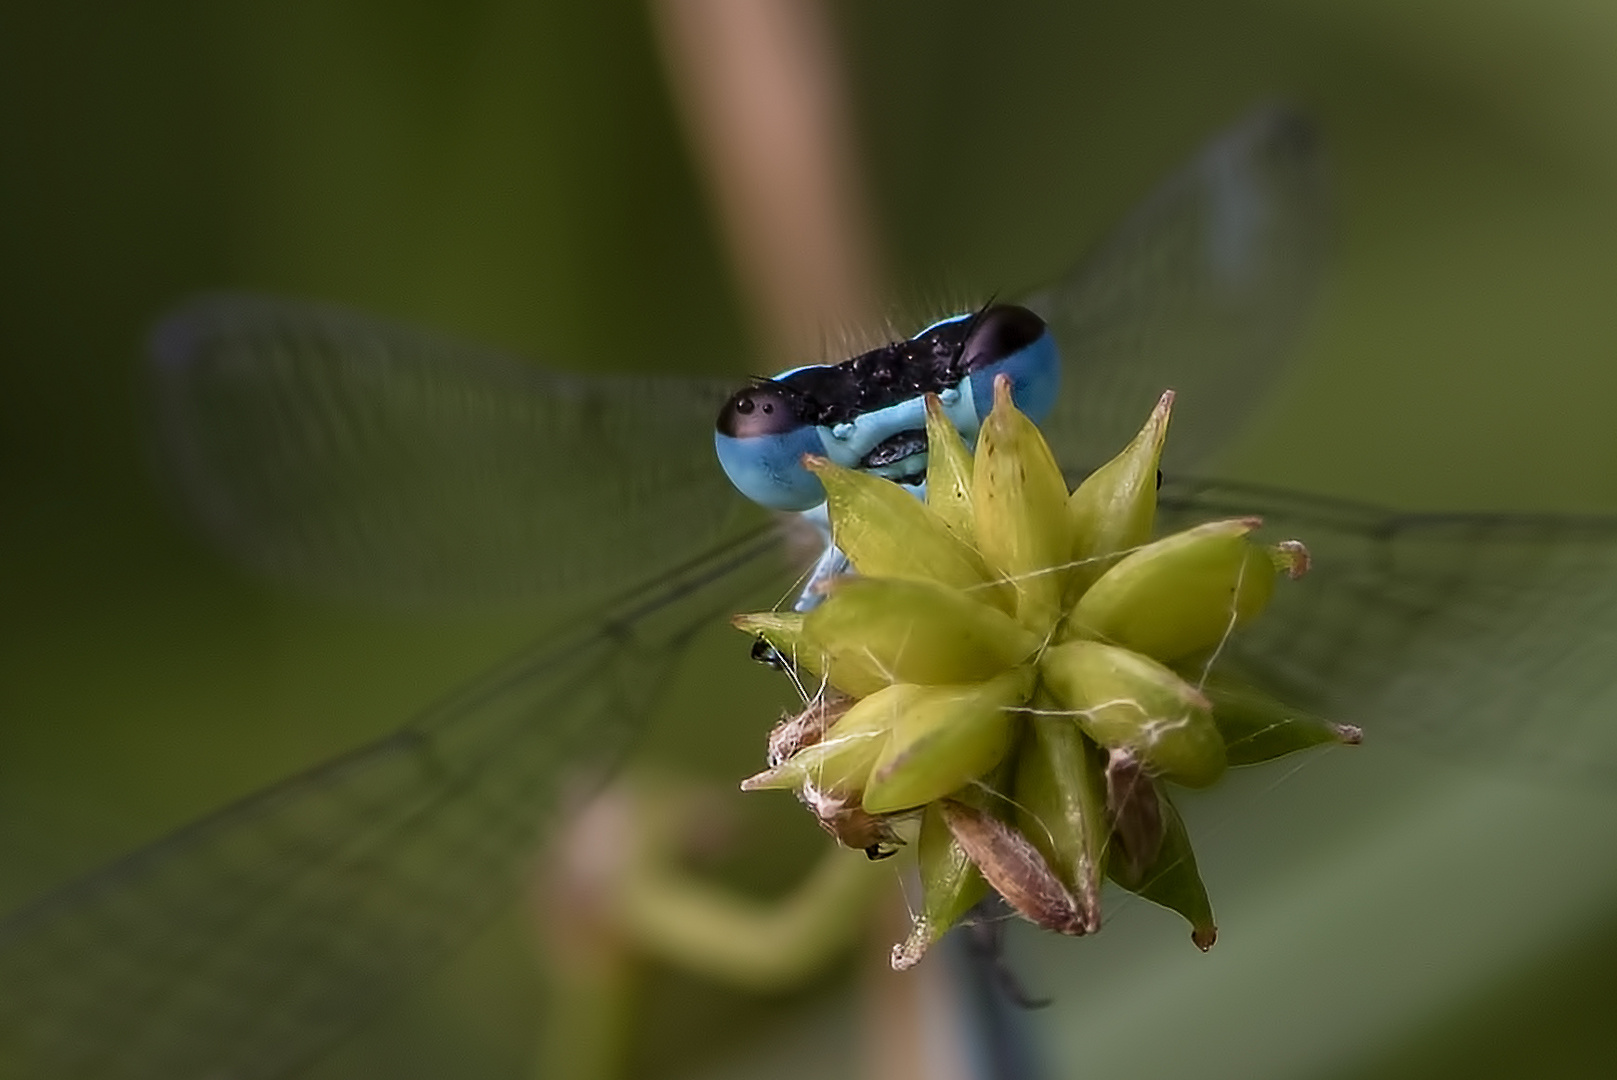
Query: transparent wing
(357,456)
(1476,634)
(1200,290)
(243,944)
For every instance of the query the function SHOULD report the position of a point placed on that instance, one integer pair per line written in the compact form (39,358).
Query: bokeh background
(514,172)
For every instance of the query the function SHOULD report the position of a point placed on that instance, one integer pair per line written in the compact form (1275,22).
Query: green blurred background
(513,173)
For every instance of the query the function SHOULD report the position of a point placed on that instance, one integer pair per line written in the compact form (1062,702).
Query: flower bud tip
(909,952)
(770,779)
(1292,558)
(1002,391)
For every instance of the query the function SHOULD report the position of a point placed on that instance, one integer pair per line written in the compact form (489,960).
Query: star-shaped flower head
(1024,669)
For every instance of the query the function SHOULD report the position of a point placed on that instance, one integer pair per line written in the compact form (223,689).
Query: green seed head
(1258,728)
(949,469)
(1060,798)
(1125,701)
(1000,665)
(951,885)
(879,631)
(1113,510)
(1021,519)
(1182,594)
(841,761)
(886,532)
(783,630)
(946,737)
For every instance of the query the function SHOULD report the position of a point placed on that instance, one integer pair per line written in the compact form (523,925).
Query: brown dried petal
(1131,799)
(802,730)
(851,825)
(1015,869)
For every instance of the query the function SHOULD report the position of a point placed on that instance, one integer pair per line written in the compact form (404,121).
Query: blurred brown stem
(760,91)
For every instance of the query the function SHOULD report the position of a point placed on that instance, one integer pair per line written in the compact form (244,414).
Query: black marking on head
(768,407)
(831,394)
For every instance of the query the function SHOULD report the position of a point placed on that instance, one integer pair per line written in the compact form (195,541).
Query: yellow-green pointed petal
(1060,798)
(1257,727)
(841,761)
(1113,510)
(778,627)
(1172,880)
(1179,595)
(839,766)
(877,631)
(951,885)
(946,737)
(1125,701)
(782,630)
(1022,526)
(887,532)
(949,468)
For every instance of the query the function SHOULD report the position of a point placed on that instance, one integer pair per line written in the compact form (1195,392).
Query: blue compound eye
(761,437)
(999,332)
(1012,340)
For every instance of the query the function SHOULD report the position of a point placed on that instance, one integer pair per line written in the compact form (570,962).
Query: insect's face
(868,412)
